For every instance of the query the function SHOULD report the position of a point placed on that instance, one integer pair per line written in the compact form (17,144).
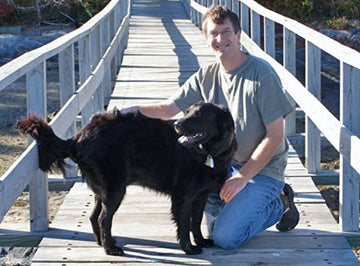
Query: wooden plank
(244,18)
(143,225)
(313,85)
(67,88)
(349,178)
(84,72)
(289,62)
(36,104)
(171,255)
(255,28)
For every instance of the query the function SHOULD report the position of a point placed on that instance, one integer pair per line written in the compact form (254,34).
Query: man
(250,201)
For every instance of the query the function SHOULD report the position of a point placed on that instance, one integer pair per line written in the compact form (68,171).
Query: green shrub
(59,11)
(335,11)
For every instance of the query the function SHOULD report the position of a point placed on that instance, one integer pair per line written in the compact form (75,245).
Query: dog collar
(210,161)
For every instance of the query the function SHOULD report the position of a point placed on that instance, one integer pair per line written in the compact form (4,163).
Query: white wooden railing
(343,134)
(100,44)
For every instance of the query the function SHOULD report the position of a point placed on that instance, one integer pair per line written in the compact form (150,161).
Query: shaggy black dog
(185,160)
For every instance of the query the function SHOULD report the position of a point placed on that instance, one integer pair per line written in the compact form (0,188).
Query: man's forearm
(163,110)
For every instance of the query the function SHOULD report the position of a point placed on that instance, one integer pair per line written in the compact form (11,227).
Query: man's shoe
(290,217)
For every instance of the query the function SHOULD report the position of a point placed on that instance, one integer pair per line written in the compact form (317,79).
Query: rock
(14,45)
(349,37)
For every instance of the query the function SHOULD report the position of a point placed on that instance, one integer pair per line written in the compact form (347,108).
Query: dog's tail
(51,149)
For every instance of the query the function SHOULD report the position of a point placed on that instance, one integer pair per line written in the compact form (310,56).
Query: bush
(7,13)
(58,11)
(307,10)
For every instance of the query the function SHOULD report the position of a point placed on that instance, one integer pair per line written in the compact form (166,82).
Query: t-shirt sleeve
(189,93)
(272,100)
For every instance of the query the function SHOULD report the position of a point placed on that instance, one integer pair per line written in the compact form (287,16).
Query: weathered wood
(67,88)
(19,174)
(339,51)
(350,117)
(269,37)
(25,63)
(313,85)
(17,177)
(143,224)
(84,72)
(36,104)
(244,18)
(289,62)
(255,27)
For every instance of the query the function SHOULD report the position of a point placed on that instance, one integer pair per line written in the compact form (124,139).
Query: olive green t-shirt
(253,93)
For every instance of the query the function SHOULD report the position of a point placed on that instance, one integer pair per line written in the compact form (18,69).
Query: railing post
(244,18)
(235,7)
(84,72)
(95,57)
(255,28)
(67,88)
(38,186)
(113,68)
(349,117)
(313,84)
(105,41)
(118,18)
(290,64)
(228,4)
(269,37)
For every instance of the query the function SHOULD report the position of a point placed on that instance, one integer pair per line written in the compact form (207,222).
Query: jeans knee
(230,240)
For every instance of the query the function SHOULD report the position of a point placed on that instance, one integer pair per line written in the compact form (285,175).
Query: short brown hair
(218,14)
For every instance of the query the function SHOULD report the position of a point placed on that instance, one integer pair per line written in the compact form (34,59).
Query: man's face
(222,39)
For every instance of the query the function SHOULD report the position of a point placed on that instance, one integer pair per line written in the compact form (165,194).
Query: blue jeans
(254,209)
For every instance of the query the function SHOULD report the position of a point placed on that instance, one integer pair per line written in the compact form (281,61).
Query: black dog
(185,160)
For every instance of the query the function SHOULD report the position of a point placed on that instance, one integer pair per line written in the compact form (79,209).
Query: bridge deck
(164,49)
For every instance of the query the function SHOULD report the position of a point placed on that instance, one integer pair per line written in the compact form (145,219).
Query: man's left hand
(231,187)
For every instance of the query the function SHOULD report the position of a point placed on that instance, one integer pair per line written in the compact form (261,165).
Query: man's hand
(130,110)
(231,187)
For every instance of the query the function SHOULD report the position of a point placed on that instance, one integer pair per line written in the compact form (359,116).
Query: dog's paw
(205,243)
(114,251)
(192,250)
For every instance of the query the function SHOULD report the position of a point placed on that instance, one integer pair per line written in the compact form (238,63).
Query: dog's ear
(225,120)
(226,128)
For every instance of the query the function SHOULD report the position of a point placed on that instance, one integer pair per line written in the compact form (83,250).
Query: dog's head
(206,127)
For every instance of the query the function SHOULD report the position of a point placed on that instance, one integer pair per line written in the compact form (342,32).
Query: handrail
(101,42)
(343,134)
(11,70)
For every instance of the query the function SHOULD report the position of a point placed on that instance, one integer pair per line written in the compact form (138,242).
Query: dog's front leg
(198,206)
(181,210)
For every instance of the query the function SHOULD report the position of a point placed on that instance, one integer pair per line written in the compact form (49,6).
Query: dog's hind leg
(108,209)
(94,219)
(197,209)
(181,210)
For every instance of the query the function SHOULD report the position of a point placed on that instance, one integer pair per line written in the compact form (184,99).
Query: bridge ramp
(164,50)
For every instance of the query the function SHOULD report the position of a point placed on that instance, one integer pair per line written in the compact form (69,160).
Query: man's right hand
(130,110)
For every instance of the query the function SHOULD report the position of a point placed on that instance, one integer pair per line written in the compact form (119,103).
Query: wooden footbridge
(141,53)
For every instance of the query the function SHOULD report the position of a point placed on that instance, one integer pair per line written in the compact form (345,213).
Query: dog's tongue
(189,140)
